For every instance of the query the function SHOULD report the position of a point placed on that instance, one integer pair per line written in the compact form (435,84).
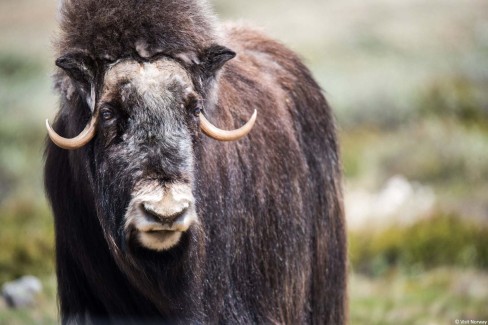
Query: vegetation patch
(458,97)
(442,240)
(437,296)
(26,240)
(15,67)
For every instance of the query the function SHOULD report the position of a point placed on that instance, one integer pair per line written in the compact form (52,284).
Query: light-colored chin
(159,240)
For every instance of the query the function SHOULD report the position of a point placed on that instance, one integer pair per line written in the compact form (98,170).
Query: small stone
(21,292)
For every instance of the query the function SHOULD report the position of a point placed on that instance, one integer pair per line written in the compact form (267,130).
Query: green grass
(26,240)
(439,296)
(26,235)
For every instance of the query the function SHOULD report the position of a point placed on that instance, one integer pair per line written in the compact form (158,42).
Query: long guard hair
(272,247)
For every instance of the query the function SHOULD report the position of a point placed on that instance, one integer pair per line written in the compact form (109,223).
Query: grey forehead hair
(147,77)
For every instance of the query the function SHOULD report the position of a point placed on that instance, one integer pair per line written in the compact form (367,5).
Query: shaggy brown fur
(271,247)
(111,29)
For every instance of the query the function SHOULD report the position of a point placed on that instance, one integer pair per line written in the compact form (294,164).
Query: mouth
(159,240)
(158,233)
(159,218)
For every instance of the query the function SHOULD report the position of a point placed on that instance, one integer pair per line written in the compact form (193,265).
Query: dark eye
(106,114)
(197,110)
(194,104)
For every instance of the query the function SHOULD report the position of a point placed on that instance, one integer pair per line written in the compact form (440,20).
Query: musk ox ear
(215,57)
(81,68)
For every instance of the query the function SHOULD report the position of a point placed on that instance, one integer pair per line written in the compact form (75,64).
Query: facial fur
(145,132)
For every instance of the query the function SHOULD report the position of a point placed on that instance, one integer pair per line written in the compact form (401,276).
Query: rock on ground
(22,292)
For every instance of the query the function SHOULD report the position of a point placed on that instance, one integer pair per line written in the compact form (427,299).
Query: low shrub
(457,97)
(18,67)
(443,240)
(26,240)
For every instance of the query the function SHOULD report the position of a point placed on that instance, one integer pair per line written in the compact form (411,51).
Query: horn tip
(253,117)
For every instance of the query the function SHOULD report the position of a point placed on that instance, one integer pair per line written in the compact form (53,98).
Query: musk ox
(159,216)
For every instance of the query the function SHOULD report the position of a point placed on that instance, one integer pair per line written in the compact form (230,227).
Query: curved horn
(77,142)
(223,135)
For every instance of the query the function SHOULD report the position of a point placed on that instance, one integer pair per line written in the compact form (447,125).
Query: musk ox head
(145,116)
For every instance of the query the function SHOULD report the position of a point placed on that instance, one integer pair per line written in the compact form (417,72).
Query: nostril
(150,214)
(172,218)
(160,217)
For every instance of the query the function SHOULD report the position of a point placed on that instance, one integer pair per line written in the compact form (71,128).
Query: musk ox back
(173,201)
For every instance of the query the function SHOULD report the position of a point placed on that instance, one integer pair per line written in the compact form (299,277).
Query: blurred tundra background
(408,81)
